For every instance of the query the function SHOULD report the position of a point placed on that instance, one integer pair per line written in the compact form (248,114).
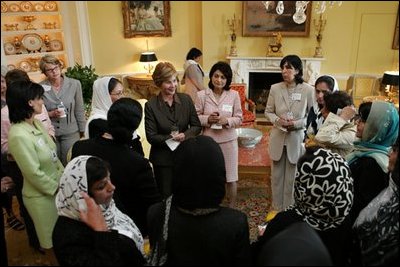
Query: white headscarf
(101,101)
(69,201)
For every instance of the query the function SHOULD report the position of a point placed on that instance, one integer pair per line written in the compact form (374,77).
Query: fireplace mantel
(242,66)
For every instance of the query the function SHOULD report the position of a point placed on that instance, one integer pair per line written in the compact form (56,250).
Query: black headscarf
(199,174)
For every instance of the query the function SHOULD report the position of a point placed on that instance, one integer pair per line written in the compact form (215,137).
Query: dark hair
(112,83)
(336,100)
(226,71)
(363,110)
(326,79)
(193,53)
(96,170)
(16,75)
(296,63)
(18,96)
(123,118)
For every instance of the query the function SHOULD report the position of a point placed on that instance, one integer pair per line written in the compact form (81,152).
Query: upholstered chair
(248,106)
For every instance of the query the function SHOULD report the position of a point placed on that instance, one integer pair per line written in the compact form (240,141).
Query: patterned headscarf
(69,201)
(323,189)
(380,132)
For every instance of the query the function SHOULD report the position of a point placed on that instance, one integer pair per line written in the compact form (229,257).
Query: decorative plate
(11,67)
(9,49)
(50,6)
(56,45)
(4,7)
(32,41)
(38,7)
(26,6)
(25,66)
(14,7)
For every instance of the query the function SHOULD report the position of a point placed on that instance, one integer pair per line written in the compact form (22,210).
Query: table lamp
(391,79)
(148,57)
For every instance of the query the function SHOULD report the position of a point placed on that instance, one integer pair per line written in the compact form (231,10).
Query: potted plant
(86,75)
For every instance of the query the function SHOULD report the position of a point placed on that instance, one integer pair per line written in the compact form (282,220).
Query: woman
(106,90)
(377,128)
(35,153)
(287,107)
(377,226)
(325,84)
(63,95)
(132,174)
(220,113)
(190,227)
(338,132)
(170,117)
(323,193)
(91,230)
(194,74)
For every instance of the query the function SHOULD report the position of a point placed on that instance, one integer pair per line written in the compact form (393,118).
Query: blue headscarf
(380,132)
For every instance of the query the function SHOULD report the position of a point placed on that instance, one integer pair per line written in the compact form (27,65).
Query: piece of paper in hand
(172,144)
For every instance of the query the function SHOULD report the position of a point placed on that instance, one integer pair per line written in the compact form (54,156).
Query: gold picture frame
(146,18)
(257,21)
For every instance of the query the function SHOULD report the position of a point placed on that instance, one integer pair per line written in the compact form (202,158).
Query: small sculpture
(274,47)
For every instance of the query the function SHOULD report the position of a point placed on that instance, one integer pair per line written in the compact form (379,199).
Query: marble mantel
(242,66)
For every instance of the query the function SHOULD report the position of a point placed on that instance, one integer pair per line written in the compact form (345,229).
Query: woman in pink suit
(287,108)
(220,113)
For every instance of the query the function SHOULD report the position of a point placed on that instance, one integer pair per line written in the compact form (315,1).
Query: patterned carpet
(254,199)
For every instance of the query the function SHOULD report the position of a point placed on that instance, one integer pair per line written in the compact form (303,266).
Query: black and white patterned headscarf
(69,201)
(323,189)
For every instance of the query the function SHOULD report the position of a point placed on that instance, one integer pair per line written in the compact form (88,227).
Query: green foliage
(86,75)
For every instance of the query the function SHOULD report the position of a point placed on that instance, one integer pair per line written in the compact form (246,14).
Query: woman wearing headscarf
(106,90)
(91,230)
(323,194)
(193,73)
(377,226)
(287,107)
(190,227)
(377,128)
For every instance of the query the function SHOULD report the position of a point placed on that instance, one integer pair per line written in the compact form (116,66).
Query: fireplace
(259,73)
(259,86)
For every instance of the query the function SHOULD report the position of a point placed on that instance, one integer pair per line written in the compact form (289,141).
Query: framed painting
(395,44)
(257,21)
(146,18)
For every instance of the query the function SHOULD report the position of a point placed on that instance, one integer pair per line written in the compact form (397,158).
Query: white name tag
(46,87)
(296,96)
(40,142)
(227,108)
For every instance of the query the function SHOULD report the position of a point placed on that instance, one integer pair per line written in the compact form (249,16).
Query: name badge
(40,142)
(46,87)
(296,97)
(227,108)
(53,155)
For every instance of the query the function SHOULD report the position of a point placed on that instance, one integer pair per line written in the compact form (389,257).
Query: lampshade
(148,57)
(390,78)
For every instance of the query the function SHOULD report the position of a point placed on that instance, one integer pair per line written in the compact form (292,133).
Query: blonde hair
(163,72)
(48,59)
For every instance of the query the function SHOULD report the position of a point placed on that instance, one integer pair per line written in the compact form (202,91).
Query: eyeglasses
(56,68)
(118,94)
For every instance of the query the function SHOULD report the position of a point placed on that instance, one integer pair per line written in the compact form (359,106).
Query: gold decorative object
(275,46)
(50,25)
(11,27)
(34,62)
(319,28)
(17,44)
(29,19)
(233,23)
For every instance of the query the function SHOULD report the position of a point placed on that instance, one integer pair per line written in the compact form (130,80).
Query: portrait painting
(146,18)
(258,21)
(395,44)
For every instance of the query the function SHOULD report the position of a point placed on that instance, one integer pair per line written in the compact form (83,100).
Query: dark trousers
(163,176)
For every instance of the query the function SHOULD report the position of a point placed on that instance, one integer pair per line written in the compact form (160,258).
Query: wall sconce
(391,79)
(148,57)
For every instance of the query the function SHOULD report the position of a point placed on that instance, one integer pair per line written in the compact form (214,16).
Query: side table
(142,85)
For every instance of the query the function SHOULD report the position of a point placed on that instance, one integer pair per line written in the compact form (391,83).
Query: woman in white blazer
(287,107)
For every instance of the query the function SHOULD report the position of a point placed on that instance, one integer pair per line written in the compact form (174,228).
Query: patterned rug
(254,200)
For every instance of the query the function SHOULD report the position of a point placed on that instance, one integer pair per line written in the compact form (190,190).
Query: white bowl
(248,137)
